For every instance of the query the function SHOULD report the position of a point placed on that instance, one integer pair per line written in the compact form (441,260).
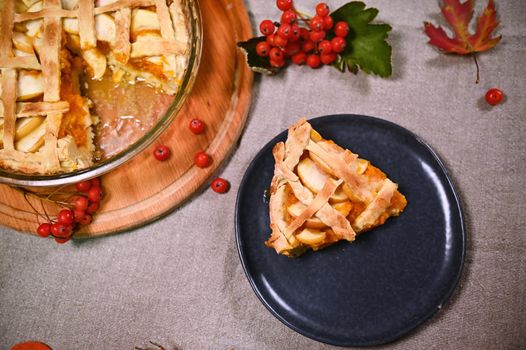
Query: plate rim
(405,331)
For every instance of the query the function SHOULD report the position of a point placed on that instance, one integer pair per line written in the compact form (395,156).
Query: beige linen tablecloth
(179,282)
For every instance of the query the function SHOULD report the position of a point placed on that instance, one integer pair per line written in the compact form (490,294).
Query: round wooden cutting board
(144,189)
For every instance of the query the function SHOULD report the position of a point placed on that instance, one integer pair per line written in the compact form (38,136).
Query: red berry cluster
(309,44)
(82,207)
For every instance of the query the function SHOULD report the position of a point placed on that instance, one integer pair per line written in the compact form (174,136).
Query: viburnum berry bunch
(78,208)
(314,41)
(345,39)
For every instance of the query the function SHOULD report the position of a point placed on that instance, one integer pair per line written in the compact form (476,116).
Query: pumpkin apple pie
(49,48)
(321,193)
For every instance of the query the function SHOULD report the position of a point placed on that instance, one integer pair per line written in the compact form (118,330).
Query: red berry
(60,230)
(299,58)
(197,126)
(44,230)
(317,23)
(95,182)
(266,27)
(294,33)
(338,44)
(328,22)
(79,214)
(62,240)
(325,47)
(341,29)
(304,34)
(280,42)
(317,36)
(284,5)
(289,17)
(95,194)
(66,217)
(93,207)
(161,153)
(292,48)
(308,46)
(277,63)
(80,203)
(220,185)
(83,186)
(276,54)
(270,39)
(262,49)
(284,31)
(313,61)
(494,96)
(86,220)
(328,58)
(322,9)
(201,159)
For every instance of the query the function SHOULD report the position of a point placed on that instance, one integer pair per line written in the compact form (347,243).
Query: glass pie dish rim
(113,162)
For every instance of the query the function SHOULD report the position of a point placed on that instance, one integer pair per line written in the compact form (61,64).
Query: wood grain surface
(144,189)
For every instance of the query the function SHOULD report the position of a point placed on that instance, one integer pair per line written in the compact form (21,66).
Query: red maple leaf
(458,15)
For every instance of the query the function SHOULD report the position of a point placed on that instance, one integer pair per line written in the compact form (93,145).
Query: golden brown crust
(46,12)
(26,62)
(377,207)
(87,24)
(122,4)
(160,47)
(343,181)
(165,22)
(49,56)
(6,27)
(122,35)
(33,109)
(319,201)
(9,103)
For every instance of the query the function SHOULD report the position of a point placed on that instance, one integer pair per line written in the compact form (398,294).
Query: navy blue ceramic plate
(389,280)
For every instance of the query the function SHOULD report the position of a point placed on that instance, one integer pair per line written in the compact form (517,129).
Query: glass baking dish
(106,164)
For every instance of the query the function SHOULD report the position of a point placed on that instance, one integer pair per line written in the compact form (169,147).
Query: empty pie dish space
(85,85)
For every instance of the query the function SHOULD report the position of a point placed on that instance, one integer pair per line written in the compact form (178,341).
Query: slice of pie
(321,193)
(48,48)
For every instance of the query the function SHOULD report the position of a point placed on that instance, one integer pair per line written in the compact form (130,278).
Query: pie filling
(56,54)
(321,194)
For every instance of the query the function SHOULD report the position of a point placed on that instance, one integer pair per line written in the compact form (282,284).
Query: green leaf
(367,48)
(256,63)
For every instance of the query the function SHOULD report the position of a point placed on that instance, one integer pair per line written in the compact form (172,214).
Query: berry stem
(302,15)
(478,69)
(44,196)
(34,209)
(45,211)
(57,191)
(303,20)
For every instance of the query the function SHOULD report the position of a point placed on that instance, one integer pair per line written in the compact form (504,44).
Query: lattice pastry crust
(322,193)
(45,122)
